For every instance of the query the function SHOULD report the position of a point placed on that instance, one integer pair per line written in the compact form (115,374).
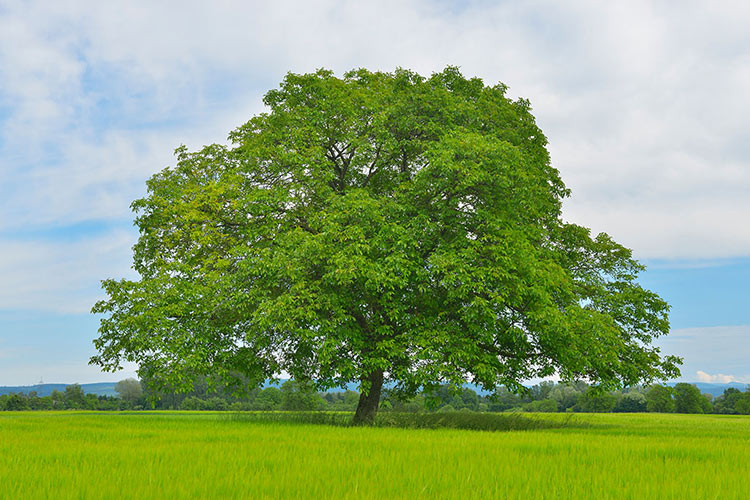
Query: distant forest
(293,396)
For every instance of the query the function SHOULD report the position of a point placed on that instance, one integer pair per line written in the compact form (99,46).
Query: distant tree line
(296,396)
(580,397)
(72,398)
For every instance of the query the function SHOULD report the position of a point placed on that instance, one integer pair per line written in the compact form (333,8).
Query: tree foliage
(733,401)
(688,399)
(380,227)
(297,396)
(129,390)
(631,402)
(659,399)
(595,401)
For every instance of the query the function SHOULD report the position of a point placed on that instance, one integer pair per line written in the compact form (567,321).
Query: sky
(644,104)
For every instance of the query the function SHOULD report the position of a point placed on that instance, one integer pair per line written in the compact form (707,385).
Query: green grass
(214,455)
(453,420)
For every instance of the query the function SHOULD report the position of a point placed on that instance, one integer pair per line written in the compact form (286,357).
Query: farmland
(217,455)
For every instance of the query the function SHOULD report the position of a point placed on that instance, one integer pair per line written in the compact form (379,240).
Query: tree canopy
(377,227)
(129,390)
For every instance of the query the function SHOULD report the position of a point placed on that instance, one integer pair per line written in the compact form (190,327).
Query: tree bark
(368,403)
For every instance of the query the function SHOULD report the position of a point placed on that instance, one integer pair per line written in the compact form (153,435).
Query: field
(217,455)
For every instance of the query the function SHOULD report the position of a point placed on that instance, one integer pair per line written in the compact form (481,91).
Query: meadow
(222,455)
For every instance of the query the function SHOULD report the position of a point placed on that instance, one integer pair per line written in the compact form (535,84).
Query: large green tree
(380,227)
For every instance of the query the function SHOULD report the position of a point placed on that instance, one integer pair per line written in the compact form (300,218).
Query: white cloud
(718,378)
(60,276)
(713,350)
(644,104)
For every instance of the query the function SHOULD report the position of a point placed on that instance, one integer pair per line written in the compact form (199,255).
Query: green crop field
(218,455)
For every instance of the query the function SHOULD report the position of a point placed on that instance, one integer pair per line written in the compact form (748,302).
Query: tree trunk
(368,403)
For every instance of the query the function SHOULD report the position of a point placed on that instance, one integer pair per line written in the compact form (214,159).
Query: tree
(446,409)
(469,398)
(129,390)
(297,396)
(456,397)
(75,397)
(541,390)
(377,227)
(595,401)
(659,399)
(503,399)
(351,398)
(541,406)
(193,403)
(742,404)
(732,401)
(631,402)
(16,402)
(269,399)
(565,395)
(58,399)
(688,399)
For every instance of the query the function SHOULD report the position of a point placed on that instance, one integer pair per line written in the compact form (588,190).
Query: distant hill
(100,389)
(108,388)
(716,389)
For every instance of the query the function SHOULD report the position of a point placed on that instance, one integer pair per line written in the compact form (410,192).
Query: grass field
(217,455)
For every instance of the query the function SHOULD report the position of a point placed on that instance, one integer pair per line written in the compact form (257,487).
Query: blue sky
(645,106)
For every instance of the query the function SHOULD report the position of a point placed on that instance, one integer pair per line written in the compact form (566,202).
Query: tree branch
(372,170)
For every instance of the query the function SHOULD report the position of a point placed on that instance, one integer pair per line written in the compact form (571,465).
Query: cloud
(710,350)
(644,105)
(61,276)
(718,378)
